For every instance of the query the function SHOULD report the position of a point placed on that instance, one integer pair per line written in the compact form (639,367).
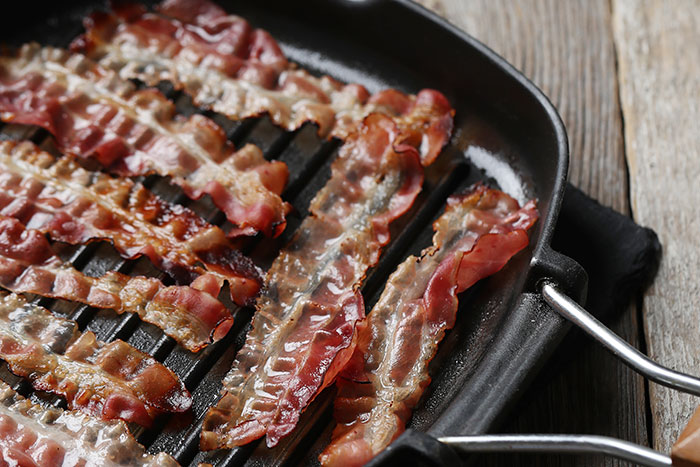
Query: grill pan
(507,134)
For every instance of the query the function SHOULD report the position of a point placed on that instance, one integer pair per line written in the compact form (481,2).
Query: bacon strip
(93,113)
(190,315)
(31,435)
(304,328)
(105,380)
(74,205)
(388,371)
(229,67)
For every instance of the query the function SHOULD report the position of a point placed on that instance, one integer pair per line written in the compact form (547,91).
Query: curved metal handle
(632,357)
(572,444)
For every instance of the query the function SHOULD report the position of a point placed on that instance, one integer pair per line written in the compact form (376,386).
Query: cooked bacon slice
(388,371)
(31,435)
(105,380)
(229,67)
(189,314)
(304,328)
(74,205)
(93,113)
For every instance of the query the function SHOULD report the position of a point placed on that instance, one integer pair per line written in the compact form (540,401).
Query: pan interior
(502,137)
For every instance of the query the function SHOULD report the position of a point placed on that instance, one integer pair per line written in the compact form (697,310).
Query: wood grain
(659,70)
(567,49)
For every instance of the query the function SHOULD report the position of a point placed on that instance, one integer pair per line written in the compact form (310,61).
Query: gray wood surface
(658,44)
(567,49)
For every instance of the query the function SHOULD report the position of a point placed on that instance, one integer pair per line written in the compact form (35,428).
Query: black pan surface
(507,134)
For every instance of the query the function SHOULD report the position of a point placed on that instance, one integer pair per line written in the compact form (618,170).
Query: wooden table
(625,76)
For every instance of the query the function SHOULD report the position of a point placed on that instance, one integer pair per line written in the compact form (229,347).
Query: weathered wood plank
(567,49)
(659,68)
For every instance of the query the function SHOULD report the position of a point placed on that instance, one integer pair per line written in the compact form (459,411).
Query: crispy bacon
(189,314)
(106,380)
(74,205)
(93,113)
(31,435)
(388,371)
(229,67)
(304,328)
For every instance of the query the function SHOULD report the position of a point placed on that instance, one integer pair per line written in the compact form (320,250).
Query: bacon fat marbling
(93,113)
(189,314)
(75,205)
(228,66)
(388,372)
(107,380)
(305,326)
(34,436)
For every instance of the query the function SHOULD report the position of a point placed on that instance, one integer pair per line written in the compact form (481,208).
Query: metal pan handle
(632,357)
(571,444)
(582,444)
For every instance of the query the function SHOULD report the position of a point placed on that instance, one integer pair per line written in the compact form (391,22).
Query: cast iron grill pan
(514,141)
